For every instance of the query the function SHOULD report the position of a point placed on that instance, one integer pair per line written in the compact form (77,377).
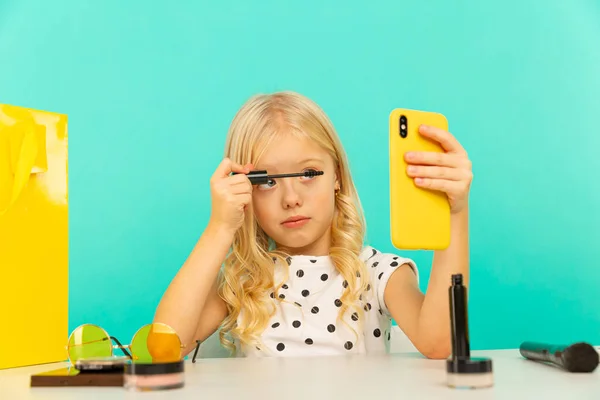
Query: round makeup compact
(469,373)
(154,376)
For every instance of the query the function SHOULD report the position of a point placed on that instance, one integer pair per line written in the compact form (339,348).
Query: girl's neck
(303,251)
(314,250)
(318,248)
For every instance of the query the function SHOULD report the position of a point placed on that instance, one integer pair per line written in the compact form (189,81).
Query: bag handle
(25,145)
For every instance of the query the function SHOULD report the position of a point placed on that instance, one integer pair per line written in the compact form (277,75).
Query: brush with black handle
(578,357)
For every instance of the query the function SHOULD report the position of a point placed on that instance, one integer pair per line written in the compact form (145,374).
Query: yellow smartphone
(419,218)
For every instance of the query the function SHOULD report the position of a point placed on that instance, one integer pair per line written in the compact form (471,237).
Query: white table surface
(394,376)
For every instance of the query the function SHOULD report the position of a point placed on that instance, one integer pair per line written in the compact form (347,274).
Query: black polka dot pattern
(289,260)
(309,289)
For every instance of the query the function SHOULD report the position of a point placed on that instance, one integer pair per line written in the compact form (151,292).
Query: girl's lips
(295,222)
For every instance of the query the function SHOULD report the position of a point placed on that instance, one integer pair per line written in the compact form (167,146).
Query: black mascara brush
(260,177)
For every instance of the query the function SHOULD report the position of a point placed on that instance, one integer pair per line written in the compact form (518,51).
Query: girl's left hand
(449,172)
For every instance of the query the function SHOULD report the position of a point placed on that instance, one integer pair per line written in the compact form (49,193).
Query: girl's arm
(425,318)
(191,305)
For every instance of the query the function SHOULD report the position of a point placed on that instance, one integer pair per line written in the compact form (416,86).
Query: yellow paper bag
(33,236)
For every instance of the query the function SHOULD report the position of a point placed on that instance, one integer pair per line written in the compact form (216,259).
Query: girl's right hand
(230,195)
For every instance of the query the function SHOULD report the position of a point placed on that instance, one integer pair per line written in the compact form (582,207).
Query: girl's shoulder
(381,266)
(383,262)
(370,254)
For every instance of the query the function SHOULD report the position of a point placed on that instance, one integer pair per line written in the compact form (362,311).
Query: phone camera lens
(403,126)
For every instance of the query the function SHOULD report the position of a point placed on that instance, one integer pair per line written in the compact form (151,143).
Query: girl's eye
(309,177)
(266,186)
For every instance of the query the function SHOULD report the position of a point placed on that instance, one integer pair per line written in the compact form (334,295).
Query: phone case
(419,218)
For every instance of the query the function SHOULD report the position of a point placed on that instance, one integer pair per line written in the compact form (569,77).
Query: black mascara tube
(459,321)
(463,371)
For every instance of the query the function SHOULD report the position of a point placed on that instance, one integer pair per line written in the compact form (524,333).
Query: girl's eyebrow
(304,161)
(309,160)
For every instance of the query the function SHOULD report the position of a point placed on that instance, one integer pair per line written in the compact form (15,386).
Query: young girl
(282,268)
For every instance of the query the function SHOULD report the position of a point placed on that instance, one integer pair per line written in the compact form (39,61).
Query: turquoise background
(151,89)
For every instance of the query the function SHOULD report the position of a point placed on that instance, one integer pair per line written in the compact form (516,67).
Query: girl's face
(296,212)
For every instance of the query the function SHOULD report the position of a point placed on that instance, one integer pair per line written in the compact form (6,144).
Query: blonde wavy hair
(246,280)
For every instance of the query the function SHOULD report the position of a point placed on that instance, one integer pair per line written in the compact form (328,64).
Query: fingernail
(411,169)
(419,180)
(410,155)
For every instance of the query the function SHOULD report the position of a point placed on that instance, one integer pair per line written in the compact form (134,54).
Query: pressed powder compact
(469,373)
(157,376)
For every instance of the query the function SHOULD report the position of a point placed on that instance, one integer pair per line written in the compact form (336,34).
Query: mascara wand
(260,177)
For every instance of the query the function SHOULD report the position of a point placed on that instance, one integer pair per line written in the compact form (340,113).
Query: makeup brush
(577,357)
(260,177)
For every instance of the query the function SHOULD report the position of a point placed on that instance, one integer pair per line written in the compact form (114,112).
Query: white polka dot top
(305,323)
